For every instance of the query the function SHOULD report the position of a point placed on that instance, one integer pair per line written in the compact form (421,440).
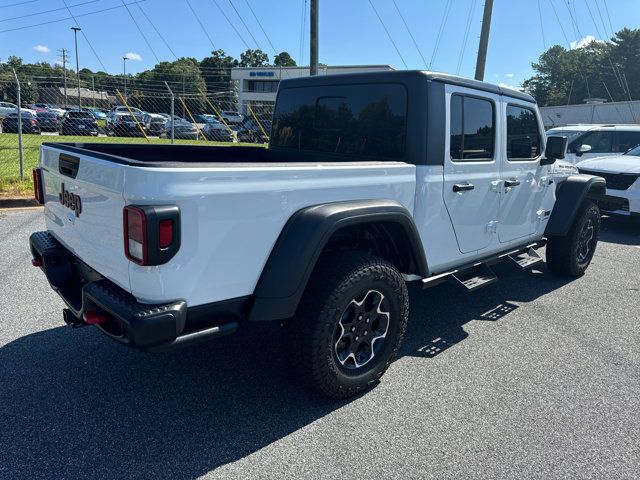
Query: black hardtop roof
(404,76)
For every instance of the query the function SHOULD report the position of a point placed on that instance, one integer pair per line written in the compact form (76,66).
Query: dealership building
(257,86)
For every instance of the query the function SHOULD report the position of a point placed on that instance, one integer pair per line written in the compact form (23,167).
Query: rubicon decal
(70,200)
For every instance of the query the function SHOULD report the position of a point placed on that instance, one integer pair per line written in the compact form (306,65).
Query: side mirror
(554,150)
(583,149)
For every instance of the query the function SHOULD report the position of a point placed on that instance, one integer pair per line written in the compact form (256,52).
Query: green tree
(283,59)
(216,71)
(599,69)
(254,58)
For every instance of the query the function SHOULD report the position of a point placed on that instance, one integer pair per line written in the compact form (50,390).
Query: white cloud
(583,42)
(42,49)
(133,56)
(509,75)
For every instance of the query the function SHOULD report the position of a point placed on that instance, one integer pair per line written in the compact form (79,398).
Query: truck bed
(180,156)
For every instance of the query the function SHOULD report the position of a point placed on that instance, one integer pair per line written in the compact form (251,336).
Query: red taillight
(135,234)
(38,192)
(33,122)
(92,317)
(165,233)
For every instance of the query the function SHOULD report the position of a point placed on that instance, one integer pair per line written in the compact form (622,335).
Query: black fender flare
(295,253)
(569,197)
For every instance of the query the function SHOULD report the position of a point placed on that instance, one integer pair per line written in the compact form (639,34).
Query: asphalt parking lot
(533,377)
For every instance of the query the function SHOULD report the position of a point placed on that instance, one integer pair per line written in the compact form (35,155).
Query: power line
(141,32)
(72,17)
(18,3)
(388,34)
(157,31)
(86,39)
(544,42)
(231,24)
(566,39)
(243,23)
(606,8)
(447,10)
(46,11)
(409,32)
(466,36)
(200,23)
(275,52)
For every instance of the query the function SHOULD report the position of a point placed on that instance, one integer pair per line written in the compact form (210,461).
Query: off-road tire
(338,280)
(565,255)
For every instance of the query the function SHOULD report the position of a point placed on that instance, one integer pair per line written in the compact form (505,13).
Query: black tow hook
(71,319)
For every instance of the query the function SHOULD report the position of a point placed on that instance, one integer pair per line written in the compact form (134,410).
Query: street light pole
(75,37)
(124,72)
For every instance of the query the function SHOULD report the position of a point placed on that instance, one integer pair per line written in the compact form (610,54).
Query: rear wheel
(571,255)
(350,323)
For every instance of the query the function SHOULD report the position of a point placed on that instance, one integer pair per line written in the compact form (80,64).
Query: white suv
(590,141)
(621,172)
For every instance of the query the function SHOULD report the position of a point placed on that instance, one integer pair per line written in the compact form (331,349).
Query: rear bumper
(150,327)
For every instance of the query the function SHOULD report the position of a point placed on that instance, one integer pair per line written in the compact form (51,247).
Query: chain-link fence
(57,112)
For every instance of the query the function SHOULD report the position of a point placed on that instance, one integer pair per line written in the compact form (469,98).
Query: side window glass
(472,129)
(627,140)
(523,133)
(600,142)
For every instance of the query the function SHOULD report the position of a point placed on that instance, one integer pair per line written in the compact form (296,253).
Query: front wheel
(350,323)
(571,255)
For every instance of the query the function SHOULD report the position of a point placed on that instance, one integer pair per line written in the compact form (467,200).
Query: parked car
(97,113)
(251,132)
(51,107)
(182,129)
(48,121)
(155,123)
(129,110)
(78,122)
(29,123)
(394,177)
(6,108)
(123,125)
(217,132)
(590,141)
(232,118)
(622,174)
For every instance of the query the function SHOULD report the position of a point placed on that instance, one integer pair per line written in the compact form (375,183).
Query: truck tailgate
(83,209)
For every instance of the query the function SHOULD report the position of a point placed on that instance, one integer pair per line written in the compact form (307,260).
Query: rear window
(349,120)
(80,115)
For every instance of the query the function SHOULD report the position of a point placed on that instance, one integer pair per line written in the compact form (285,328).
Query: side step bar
(526,259)
(473,276)
(193,338)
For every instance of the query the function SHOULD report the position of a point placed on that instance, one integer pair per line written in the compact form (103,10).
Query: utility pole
(93,90)
(124,74)
(313,38)
(484,40)
(64,75)
(75,38)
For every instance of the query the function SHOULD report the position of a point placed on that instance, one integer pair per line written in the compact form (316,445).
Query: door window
(599,141)
(627,140)
(472,127)
(523,134)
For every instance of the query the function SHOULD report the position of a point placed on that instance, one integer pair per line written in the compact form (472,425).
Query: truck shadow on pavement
(74,404)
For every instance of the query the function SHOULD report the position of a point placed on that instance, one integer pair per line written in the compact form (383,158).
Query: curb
(18,202)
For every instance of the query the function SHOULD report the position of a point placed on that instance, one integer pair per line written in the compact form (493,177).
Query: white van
(590,141)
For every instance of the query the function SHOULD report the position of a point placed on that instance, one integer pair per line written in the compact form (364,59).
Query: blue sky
(350,31)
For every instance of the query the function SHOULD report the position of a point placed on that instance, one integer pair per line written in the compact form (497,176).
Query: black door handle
(462,187)
(511,183)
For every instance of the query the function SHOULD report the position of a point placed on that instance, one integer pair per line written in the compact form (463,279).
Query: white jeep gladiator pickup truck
(369,181)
